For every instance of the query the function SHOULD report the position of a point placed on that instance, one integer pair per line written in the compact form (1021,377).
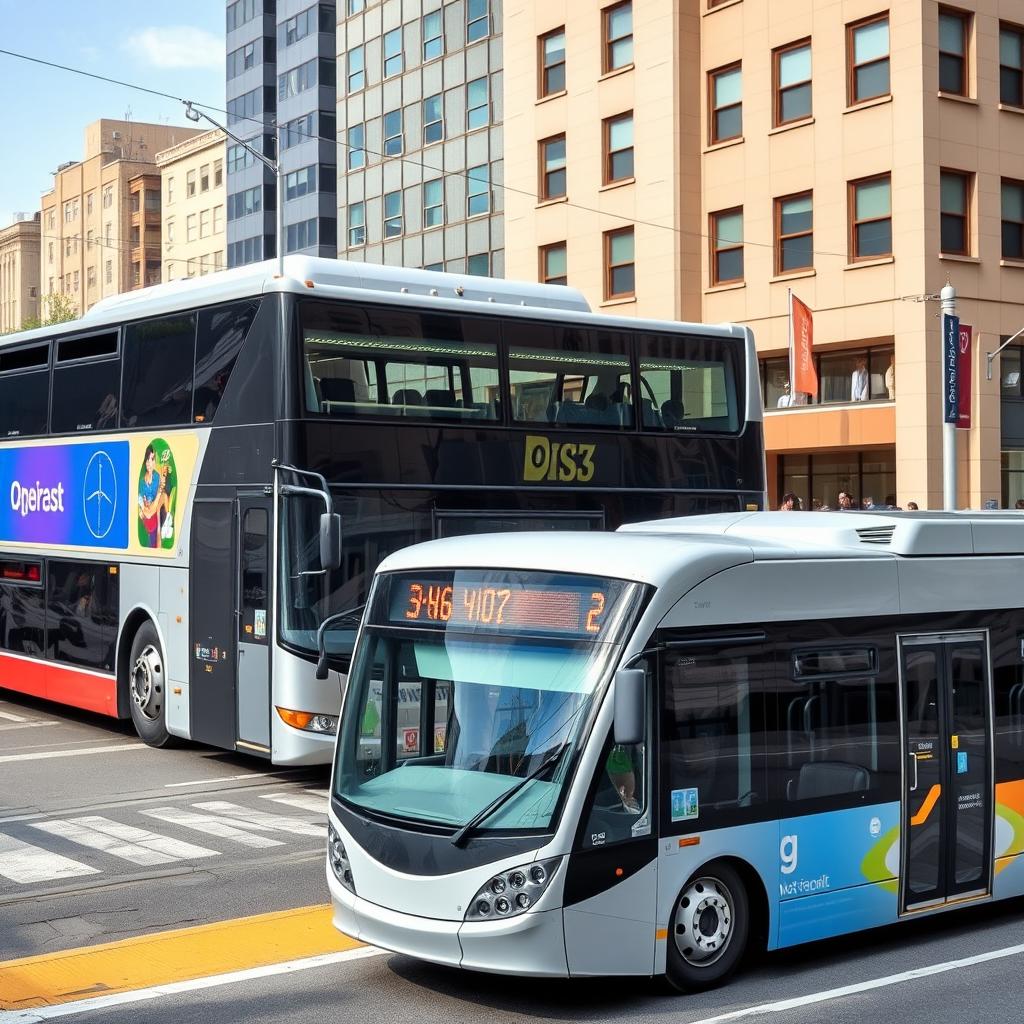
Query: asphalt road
(131,804)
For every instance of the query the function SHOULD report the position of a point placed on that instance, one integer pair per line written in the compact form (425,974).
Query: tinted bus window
(158,361)
(22,619)
(24,402)
(85,386)
(393,363)
(221,334)
(569,377)
(690,384)
(81,599)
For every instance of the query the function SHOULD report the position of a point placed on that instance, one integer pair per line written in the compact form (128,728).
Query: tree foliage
(58,308)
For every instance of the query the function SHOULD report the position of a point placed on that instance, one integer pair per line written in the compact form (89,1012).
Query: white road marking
(25,724)
(315,800)
(862,986)
(137,845)
(43,1013)
(25,864)
(44,755)
(225,778)
(223,828)
(280,822)
(12,718)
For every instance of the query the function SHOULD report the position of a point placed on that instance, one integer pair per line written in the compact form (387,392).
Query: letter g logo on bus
(558,461)
(788,854)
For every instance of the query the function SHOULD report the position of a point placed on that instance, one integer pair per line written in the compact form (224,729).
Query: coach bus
(167,463)
(644,752)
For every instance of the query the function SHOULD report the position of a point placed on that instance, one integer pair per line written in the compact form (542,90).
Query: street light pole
(948,307)
(274,166)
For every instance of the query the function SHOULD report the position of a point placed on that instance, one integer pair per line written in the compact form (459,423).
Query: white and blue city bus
(166,461)
(645,752)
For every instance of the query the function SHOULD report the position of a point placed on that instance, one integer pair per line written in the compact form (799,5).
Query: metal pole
(279,218)
(948,305)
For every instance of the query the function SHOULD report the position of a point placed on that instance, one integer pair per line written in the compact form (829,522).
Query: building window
(218,173)
(618,36)
(477,105)
(727,246)
(356,224)
(393,133)
(867,58)
(393,63)
(477,20)
(619,264)
(204,178)
(392,214)
(552,62)
(792,83)
(479,264)
(356,61)
(301,236)
(870,205)
(108,271)
(433,36)
(433,202)
(818,479)
(204,223)
(108,200)
(300,183)
(218,220)
(554,263)
(954,197)
(618,148)
(1013,219)
(190,184)
(355,6)
(356,142)
(1011,65)
(552,163)
(190,228)
(478,192)
(726,93)
(794,237)
(433,120)
(90,277)
(953,34)
(89,202)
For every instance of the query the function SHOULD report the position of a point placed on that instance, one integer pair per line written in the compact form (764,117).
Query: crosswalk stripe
(137,845)
(25,864)
(279,822)
(213,826)
(12,718)
(310,800)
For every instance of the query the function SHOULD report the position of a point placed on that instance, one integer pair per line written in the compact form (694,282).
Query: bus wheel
(147,687)
(709,929)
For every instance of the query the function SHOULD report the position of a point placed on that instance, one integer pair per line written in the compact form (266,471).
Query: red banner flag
(801,348)
(963,421)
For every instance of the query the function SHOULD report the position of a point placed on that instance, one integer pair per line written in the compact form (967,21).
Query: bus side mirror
(330,540)
(321,665)
(630,692)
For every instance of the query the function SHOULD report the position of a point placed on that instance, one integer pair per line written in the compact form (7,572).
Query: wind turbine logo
(100,495)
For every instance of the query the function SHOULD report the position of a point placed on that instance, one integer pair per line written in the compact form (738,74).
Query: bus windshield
(467,682)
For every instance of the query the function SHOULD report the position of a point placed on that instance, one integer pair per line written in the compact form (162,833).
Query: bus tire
(708,930)
(147,687)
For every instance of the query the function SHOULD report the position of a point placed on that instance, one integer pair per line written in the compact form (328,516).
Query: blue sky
(176,47)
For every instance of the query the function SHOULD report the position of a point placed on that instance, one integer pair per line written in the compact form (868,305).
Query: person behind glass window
(845,501)
(790,503)
(859,381)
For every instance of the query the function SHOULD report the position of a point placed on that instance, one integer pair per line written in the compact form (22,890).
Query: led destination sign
(562,606)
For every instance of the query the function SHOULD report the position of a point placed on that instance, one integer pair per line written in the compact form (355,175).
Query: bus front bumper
(532,944)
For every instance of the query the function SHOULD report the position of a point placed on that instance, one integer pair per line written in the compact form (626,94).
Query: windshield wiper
(503,798)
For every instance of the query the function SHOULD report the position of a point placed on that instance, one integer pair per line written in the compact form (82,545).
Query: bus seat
(829,778)
(572,412)
(338,389)
(443,397)
(672,412)
(651,417)
(407,396)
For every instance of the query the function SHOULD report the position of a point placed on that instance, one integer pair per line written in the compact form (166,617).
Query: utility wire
(272,123)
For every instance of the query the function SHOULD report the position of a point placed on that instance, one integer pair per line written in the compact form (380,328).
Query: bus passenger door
(947,790)
(252,618)
(611,883)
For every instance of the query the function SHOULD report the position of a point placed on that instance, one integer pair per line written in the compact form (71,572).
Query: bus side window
(1008,706)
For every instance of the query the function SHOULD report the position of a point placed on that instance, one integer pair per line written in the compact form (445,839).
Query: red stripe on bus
(60,683)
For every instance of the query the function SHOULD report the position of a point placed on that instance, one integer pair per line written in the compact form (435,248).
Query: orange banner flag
(801,348)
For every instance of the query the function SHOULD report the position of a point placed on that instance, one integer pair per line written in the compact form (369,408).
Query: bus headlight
(338,859)
(308,721)
(512,892)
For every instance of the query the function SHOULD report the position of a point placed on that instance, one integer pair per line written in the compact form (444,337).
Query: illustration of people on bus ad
(158,492)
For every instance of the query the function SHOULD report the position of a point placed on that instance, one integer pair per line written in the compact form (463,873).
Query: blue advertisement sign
(73,494)
(950,368)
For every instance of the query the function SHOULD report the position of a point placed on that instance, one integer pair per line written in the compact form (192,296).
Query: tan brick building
(86,249)
(19,272)
(858,152)
(193,230)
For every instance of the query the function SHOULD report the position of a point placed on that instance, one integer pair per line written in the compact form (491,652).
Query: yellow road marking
(179,955)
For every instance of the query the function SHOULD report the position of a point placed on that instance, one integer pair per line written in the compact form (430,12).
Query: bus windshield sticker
(685,804)
(260,622)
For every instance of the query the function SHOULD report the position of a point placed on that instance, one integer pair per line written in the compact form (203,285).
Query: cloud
(177,46)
